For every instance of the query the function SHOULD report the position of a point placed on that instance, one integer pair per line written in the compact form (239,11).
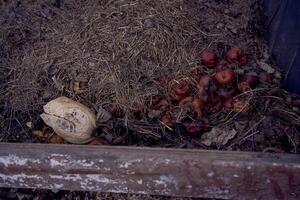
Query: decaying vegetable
(69,119)
(168,119)
(159,103)
(209,58)
(225,77)
(243,86)
(180,89)
(237,56)
(192,106)
(251,79)
(223,64)
(240,105)
(225,92)
(247,82)
(137,109)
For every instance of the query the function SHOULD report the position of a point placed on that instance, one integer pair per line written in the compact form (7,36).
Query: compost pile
(187,74)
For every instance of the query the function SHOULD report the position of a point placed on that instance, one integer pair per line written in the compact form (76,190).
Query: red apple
(237,56)
(208,58)
(225,77)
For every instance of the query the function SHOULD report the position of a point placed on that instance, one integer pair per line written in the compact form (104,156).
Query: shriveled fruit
(240,105)
(180,89)
(159,103)
(191,105)
(208,58)
(237,56)
(225,92)
(243,86)
(168,118)
(225,77)
(223,64)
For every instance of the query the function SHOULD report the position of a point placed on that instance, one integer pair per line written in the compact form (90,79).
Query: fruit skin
(168,118)
(237,56)
(208,58)
(137,110)
(191,105)
(180,89)
(240,106)
(159,103)
(251,79)
(264,77)
(197,127)
(225,92)
(206,87)
(225,77)
(243,86)
(228,104)
(247,83)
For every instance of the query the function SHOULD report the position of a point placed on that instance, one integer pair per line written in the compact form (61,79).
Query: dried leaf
(218,136)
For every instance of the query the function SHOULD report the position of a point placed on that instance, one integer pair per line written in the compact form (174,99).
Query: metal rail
(175,172)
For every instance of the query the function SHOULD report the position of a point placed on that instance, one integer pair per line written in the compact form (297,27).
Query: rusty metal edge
(159,171)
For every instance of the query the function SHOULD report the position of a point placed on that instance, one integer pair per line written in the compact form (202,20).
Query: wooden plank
(175,172)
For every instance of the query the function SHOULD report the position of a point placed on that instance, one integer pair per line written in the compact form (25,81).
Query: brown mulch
(98,52)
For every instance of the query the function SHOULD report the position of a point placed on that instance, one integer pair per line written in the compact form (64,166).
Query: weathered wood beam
(175,172)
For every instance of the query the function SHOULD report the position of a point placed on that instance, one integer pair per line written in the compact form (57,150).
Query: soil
(104,52)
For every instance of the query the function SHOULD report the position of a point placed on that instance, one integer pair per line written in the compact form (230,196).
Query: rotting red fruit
(213,105)
(225,77)
(137,110)
(251,79)
(191,105)
(240,105)
(180,89)
(159,103)
(264,77)
(208,58)
(225,92)
(228,104)
(243,86)
(196,73)
(223,64)
(206,83)
(207,86)
(168,119)
(197,127)
(237,56)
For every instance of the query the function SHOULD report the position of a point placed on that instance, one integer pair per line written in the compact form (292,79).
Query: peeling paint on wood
(175,172)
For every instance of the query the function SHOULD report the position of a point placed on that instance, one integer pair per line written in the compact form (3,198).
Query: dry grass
(114,49)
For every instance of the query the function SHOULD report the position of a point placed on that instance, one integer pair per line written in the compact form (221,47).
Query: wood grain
(174,172)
